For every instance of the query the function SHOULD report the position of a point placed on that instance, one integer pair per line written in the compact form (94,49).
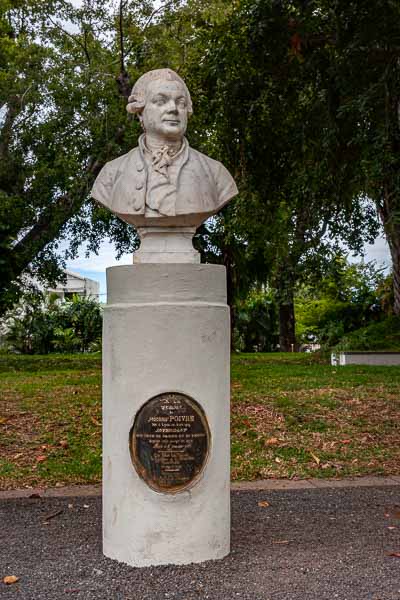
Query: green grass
(293,415)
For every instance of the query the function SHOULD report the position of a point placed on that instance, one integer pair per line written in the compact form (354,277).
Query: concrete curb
(261,484)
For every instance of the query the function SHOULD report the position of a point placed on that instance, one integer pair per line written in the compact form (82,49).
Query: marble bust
(163,183)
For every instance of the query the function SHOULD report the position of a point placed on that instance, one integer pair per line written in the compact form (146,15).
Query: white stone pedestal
(166,329)
(166,245)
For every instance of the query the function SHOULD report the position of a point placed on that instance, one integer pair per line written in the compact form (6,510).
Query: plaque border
(132,446)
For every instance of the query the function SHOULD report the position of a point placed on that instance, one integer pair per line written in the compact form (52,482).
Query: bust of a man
(163,182)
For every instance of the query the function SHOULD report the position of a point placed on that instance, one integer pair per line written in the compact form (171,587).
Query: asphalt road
(318,544)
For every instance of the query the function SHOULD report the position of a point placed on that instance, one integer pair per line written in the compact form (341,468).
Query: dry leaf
(395,554)
(3,420)
(10,579)
(271,441)
(280,541)
(278,460)
(55,514)
(41,458)
(64,444)
(96,422)
(315,457)
(392,527)
(263,503)
(18,455)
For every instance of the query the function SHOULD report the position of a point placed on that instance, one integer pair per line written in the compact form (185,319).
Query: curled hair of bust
(137,99)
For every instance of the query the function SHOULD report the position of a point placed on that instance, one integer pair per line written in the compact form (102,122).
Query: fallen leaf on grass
(10,579)
(64,444)
(315,457)
(3,420)
(278,460)
(263,503)
(271,441)
(41,458)
(96,422)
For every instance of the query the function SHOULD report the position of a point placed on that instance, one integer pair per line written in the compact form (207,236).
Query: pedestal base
(166,245)
(166,330)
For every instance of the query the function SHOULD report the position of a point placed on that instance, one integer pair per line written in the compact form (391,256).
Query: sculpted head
(162,101)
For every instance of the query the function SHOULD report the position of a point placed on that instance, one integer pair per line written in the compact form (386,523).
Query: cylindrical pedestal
(166,337)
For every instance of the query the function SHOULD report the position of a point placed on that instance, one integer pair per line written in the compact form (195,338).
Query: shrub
(41,324)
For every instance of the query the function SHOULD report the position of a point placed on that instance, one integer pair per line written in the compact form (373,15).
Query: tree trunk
(394,245)
(287,337)
(285,300)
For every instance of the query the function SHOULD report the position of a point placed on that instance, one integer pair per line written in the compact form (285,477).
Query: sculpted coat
(199,187)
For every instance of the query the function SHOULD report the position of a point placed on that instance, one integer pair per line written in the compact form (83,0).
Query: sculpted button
(137,204)
(139,185)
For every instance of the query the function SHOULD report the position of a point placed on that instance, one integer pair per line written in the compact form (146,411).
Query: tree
(366,73)
(272,122)
(347,297)
(63,89)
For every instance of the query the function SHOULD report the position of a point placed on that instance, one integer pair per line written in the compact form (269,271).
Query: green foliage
(345,299)
(40,325)
(282,95)
(62,116)
(256,323)
(381,336)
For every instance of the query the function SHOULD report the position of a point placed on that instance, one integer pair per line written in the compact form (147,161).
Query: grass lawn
(293,415)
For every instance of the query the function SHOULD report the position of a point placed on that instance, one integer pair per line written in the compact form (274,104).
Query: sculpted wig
(137,99)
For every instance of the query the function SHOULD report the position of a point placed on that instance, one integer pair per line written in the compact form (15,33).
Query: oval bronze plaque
(169,442)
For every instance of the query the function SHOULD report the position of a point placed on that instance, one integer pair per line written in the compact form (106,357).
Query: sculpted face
(165,113)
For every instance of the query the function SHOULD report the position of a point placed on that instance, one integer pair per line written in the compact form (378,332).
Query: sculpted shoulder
(223,180)
(103,186)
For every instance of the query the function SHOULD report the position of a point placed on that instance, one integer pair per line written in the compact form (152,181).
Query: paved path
(312,543)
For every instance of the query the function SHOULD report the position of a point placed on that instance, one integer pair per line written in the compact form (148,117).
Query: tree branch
(73,38)
(6,130)
(148,22)
(51,221)
(121,36)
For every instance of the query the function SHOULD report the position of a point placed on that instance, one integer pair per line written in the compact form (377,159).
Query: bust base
(166,245)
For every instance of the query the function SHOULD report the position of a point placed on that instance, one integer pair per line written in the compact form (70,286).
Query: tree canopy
(299,99)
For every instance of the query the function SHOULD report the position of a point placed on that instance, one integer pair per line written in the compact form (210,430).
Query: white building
(76,284)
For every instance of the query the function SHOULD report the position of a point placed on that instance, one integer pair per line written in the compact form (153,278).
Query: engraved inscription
(169,442)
